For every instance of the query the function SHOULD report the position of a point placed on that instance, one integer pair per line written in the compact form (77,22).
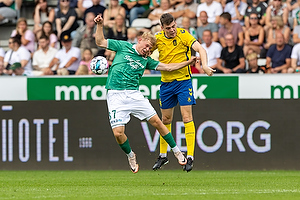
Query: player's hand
(98,19)
(208,70)
(193,60)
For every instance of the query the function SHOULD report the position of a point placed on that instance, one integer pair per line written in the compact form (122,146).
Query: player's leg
(167,103)
(122,140)
(187,118)
(162,159)
(119,116)
(167,136)
(186,100)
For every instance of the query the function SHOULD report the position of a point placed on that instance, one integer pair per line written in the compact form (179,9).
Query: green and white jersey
(128,66)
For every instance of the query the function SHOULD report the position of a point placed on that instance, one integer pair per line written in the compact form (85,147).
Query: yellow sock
(190,137)
(162,142)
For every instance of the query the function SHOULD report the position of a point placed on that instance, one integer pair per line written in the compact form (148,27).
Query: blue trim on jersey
(176,91)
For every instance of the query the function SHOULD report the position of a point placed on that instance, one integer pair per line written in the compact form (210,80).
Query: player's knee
(166,120)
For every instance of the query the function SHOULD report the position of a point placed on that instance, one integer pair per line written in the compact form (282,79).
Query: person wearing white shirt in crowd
(18,53)
(212,48)
(295,59)
(237,10)
(18,70)
(68,57)
(2,53)
(43,57)
(213,9)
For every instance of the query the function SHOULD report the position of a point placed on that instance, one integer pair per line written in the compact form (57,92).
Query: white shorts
(122,103)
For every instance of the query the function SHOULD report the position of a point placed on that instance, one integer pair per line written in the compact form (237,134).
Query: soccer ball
(99,65)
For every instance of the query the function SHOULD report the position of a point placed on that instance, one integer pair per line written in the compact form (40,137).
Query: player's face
(144,47)
(170,30)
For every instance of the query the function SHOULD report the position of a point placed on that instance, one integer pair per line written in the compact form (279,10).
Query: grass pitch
(162,185)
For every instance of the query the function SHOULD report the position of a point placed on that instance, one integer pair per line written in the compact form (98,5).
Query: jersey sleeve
(152,64)
(115,45)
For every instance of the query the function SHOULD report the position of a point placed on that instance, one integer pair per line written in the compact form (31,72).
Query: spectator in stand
(2,70)
(68,57)
(96,9)
(41,14)
(135,8)
(253,65)
(279,55)
(165,7)
(132,35)
(62,72)
(18,70)
(27,36)
(213,27)
(296,31)
(232,58)
(276,8)
(66,18)
(254,35)
(43,57)
(82,5)
(47,29)
(86,59)
(186,24)
(295,60)
(111,12)
(295,10)
(228,27)
(213,50)
(258,7)
(213,9)
(237,10)
(119,30)
(18,53)
(82,70)
(2,53)
(85,35)
(152,5)
(188,9)
(277,26)
(6,10)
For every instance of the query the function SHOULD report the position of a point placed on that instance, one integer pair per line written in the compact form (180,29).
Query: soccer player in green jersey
(124,97)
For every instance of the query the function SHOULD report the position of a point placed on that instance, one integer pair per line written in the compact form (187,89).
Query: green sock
(170,140)
(125,147)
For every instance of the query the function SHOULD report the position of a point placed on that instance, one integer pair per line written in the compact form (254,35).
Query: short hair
(149,36)
(226,15)
(166,19)
(251,56)
(43,36)
(207,30)
(17,39)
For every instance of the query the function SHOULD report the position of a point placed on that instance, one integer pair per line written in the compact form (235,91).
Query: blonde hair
(149,36)
(251,56)
(21,19)
(82,70)
(279,21)
(62,72)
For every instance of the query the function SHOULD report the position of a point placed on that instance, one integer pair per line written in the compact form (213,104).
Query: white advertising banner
(269,86)
(13,88)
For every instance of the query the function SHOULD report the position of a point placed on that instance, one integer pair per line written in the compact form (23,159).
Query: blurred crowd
(240,36)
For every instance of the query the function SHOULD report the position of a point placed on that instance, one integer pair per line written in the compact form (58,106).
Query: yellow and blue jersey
(175,50)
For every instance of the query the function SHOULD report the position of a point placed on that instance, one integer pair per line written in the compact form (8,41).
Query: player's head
(168,25)
(145,43)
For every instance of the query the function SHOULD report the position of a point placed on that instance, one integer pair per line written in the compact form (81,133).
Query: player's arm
(175,66)
(99,36)
(203,56)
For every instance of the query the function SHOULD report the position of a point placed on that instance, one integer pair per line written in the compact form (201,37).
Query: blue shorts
(176,91)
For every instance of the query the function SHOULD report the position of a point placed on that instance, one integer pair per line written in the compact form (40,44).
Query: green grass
(161,185)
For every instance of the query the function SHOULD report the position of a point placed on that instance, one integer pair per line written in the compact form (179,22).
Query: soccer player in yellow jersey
(174,46)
